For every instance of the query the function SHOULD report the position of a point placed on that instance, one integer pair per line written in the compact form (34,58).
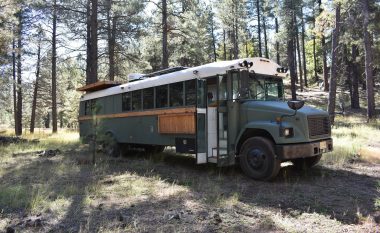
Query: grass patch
(351,134)
(14,197)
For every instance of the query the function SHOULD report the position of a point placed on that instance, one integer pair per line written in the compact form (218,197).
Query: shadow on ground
(338,194)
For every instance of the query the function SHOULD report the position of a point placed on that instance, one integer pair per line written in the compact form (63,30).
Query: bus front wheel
(258,160)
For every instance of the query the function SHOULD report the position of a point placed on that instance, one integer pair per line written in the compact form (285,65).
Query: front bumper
(304,150)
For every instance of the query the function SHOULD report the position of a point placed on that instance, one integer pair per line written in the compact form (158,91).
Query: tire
(306,163)
(258,160)
(110,146)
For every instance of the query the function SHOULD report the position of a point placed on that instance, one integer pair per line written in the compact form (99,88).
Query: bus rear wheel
(110,146)
(258,160)
(306,163)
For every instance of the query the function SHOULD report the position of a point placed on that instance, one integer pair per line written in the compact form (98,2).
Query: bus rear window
(190,92)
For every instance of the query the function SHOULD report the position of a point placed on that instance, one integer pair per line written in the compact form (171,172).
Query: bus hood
(277,108)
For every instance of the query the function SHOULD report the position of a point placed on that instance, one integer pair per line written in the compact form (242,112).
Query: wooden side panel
(177,123)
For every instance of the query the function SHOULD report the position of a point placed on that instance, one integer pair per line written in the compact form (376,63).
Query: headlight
(287,132)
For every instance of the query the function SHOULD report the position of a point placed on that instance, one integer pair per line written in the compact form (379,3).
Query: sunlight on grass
(351,134)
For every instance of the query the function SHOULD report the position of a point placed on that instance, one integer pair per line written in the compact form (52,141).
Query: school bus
(224,113)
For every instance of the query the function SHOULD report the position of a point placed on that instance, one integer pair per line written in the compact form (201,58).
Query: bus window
(89,107)
(190,93)
(136,100)
(176,94)
(162,96)
(148,98)
(126,101)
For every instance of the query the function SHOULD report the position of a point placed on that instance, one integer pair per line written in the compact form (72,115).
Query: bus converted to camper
(224,113)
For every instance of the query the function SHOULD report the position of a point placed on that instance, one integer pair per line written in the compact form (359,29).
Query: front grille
(319,126)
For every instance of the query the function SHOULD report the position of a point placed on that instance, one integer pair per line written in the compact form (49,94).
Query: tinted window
(90,107)
(148,98)
(126,101)
(176,94)
(162,96)
(136,100)
(190,92)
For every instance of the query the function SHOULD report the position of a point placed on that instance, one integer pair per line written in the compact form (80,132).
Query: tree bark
(94,43)
(368,62)
(290,53)
(265,37)
(277,43)
(88,42)
(14,84)
(303,48)
(213,38)
(54,70)
(300,72)
(36,86)
(259,26)
(314,51)
(224,45)
(355,103)
(165,53)
(19,78)
(325,68)
(334,68)
(111,30)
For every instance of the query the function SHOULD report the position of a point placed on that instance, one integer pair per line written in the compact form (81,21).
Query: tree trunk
(368,62)
(111,30)
(303,49)
(265,37)
(325,68)
(224,45)
(277,43)
(235,39)
(88,42)
(165,53)
(213,38)
(334,68)
(314,51)
(94,43)
(35,92)
(259,27)
(14,84)
(295,56)
(19,78)
(355,103)
(54,70)
(299,55)
(291,65)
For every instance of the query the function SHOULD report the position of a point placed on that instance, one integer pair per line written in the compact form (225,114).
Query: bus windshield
(263,87)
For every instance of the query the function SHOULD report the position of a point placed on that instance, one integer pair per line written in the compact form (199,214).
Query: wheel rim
(256,158)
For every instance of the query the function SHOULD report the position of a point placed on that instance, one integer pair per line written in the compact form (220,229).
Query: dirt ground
(169,193)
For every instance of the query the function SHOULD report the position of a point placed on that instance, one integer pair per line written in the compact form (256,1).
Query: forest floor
(167,192)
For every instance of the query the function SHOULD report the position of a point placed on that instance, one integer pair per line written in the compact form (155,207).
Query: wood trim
(142,113)
(98,86)
(183,123)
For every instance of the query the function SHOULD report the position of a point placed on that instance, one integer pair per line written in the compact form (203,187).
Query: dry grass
(168,193)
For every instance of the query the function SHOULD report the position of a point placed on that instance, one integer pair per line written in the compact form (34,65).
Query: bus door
(227,117)
(201,123)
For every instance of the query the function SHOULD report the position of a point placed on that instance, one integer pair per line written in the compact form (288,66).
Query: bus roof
(260,66)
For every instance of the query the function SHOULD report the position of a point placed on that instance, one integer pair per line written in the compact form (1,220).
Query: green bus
(224,113)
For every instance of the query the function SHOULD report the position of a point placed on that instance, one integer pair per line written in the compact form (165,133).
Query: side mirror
(296,104)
